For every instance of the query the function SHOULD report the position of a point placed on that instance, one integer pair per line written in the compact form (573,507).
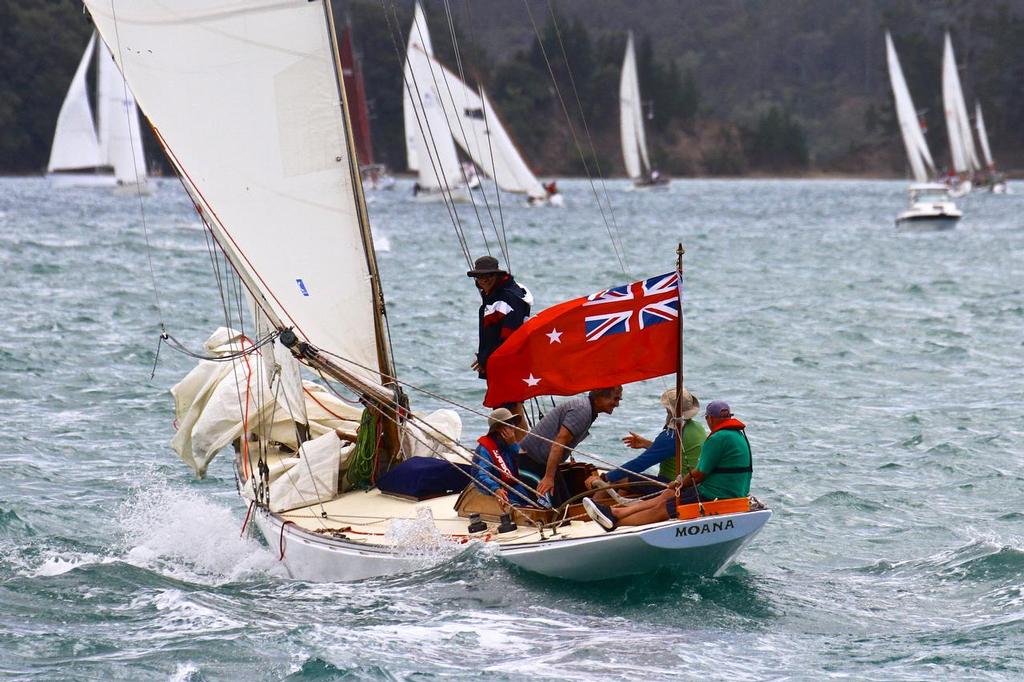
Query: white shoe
(599,513)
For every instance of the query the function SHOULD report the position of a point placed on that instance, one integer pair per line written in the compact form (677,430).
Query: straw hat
(690,405)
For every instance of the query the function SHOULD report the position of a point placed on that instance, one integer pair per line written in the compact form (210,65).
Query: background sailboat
(631,121)
(963,157)
(931,206)
(107,155)
(993,179)
(375,175)
(430,149)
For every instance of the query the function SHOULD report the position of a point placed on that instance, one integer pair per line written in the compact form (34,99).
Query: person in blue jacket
(496,459)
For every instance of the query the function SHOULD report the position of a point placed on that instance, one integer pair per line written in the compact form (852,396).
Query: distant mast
(355,91)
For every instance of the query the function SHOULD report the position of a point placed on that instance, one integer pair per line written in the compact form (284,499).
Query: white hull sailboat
(962,154)
(302,249)
(931,207)
(631,123)
(109,154)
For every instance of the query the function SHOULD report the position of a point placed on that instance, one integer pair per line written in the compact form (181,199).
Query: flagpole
(679,370)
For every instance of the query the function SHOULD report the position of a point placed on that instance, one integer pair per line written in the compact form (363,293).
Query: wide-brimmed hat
(485,265)
(690,405)
(503,415)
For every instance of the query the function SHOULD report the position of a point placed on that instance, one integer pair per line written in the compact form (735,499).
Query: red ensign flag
(627,333)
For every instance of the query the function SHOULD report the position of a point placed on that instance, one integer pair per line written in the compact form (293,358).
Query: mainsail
(419,37)
(246,99)
(983,136)
(920,158)
(439,167)
(120,137)
(631,120)
(75,144)
(961,142)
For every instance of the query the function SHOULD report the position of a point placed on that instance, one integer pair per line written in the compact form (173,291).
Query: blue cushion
(425,477)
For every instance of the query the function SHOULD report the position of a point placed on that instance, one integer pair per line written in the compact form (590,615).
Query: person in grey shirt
(553,438)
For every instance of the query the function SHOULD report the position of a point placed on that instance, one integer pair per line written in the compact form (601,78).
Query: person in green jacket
(722,472)
(660,451)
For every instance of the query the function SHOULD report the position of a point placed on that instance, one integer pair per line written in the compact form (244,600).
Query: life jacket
(733,424)
(498,458)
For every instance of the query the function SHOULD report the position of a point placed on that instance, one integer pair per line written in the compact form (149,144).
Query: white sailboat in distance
(931,207)
(109,154)
(631,123)
(993,178)
(272,171)
(963,156)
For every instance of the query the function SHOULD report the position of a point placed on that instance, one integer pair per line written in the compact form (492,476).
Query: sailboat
(479,132)
(289,216)
(430,150)
(994,179)
(375,175)
(931,207)
(631,123)
(110,155)
(963,157)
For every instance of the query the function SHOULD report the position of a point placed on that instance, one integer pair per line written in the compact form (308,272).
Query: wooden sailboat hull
(704,546)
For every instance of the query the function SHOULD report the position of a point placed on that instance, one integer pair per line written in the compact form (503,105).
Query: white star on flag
(531,380)
(555,336)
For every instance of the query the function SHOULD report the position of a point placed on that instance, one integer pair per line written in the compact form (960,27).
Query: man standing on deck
(552,440)
(723,472)
(504,307)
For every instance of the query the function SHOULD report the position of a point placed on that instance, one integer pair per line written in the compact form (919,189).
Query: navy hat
(718,408)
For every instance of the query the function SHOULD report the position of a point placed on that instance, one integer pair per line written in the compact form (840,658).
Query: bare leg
(648,511)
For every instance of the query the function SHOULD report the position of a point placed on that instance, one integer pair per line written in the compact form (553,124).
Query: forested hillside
(731,87)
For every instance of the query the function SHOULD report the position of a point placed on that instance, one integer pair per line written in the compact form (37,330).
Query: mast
(390,410)
(679,370)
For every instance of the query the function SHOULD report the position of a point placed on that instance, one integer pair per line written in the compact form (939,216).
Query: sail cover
(246,98)
(120,137)
(983,135)
(631,121)
(419,37)
(478,130)
(74,142)
(961,142)
(913,139)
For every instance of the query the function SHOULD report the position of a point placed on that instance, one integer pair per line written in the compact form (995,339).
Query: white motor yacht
(931,208)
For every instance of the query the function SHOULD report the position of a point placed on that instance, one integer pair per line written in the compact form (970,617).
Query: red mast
(356,94)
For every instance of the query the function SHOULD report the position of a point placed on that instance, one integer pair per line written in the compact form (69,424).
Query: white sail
(983,136)
(119,134)
(74,141)
(631,120)
(961,141)
(913,139)
(419,37)
(246,97)
(439,167)
(478,130)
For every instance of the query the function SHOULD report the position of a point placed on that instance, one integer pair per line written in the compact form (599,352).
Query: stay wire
(575,137)
(586,128)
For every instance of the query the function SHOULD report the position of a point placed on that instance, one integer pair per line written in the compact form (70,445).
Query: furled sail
(476,127)
(631,120)
(983,136)
(961,141)
(74,142)
(245,96)
(120,137)
(419,37)
(920,158)
(439,167)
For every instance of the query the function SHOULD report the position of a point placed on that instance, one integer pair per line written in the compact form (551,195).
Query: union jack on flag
(634,298)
